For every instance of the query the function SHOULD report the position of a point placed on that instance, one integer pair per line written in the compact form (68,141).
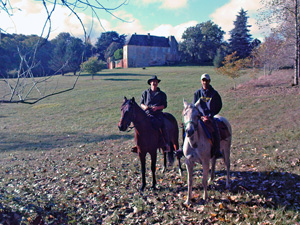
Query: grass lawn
(64,161)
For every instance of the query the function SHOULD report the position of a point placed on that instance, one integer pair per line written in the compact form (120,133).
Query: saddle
(209,128)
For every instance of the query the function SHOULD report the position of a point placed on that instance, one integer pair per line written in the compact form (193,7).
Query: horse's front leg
(190,170)
(143,170)
(153,168)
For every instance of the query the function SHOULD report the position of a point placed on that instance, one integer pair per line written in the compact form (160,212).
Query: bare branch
(25,82)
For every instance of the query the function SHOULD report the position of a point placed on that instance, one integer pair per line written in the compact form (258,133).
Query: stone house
(148,50)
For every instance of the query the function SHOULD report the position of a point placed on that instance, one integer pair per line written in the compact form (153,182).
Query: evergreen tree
(240,40)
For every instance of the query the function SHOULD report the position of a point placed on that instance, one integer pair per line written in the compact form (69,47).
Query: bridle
(132,115)
(195,124)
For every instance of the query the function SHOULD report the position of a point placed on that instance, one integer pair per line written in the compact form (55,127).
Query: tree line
(63,54)
(202,44)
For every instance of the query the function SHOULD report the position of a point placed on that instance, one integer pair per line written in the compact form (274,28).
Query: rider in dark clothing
(153,101)
(210,105)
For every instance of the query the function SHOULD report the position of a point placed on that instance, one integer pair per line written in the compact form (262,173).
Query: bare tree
(26,88)
(283,17)
(274,53)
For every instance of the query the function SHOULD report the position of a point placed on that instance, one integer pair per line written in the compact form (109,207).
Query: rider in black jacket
(153,101)
(210,105)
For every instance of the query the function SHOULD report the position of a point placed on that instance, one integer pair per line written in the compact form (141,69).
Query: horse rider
(153,101)
(210,105)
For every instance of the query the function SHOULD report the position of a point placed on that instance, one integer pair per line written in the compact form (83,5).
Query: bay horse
(148,139)
(197,147)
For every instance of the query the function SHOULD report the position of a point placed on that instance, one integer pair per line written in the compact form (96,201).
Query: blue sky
(157,17)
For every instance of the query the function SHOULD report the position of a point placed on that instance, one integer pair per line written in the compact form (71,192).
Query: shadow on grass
(267,189)
(115,75)
(119,79)
(48,141)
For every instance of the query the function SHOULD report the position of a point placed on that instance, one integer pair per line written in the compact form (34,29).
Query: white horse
(197,147)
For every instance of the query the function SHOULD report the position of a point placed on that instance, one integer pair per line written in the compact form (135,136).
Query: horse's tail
(171,154)
(173,136)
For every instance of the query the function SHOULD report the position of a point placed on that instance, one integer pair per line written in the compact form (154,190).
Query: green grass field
(64,161)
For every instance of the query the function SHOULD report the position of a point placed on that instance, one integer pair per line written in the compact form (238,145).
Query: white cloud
(225,15)
(32,17)
(166,30)
(130,25)
(168,4)
(133,25)
(171,4)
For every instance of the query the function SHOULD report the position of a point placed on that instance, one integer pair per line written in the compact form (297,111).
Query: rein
(191,121)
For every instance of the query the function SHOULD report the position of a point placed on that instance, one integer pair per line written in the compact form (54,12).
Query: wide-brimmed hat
(153,78)
(205,76)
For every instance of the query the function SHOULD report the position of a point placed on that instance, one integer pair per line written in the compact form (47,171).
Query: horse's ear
(197,103)
(125,99)
(133,100)
(185,103)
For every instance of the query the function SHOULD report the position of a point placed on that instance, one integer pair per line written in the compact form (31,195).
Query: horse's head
(126,114)
(190,116)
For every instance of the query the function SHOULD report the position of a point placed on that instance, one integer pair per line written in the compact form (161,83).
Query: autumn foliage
(232,66)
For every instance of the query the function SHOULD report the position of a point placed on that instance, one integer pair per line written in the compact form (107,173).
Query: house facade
(148,50)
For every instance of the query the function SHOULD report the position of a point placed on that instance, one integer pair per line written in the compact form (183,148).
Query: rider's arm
(144,107)
(160,107)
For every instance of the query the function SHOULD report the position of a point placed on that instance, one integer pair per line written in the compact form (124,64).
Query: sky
(157,17)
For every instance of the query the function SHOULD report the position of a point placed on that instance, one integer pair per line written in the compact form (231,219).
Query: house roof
(147,40)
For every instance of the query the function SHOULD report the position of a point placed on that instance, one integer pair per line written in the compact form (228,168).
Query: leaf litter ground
(97,183)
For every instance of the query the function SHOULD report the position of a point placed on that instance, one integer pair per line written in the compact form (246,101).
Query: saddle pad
(205,129)
(223,129)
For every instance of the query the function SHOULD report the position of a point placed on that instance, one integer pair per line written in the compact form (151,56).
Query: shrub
(92,66)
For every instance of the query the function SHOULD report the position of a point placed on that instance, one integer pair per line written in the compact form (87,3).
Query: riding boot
(216,145)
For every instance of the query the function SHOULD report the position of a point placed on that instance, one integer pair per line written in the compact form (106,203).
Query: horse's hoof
(187,203)
(202,202)
(154,188)
(180,172)
(142,188)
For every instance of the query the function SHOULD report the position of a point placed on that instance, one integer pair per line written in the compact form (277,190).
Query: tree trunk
(297,32)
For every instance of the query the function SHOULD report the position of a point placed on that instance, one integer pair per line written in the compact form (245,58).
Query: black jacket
(156,99)
(210,103)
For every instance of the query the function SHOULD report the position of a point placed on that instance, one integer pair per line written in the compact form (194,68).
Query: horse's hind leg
(213,168)
(227,162)
(153,168)
(179,166)
(178,154)
(165,162)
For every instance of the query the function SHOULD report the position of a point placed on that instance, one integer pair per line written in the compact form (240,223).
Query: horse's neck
(139,120)
(201,135)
